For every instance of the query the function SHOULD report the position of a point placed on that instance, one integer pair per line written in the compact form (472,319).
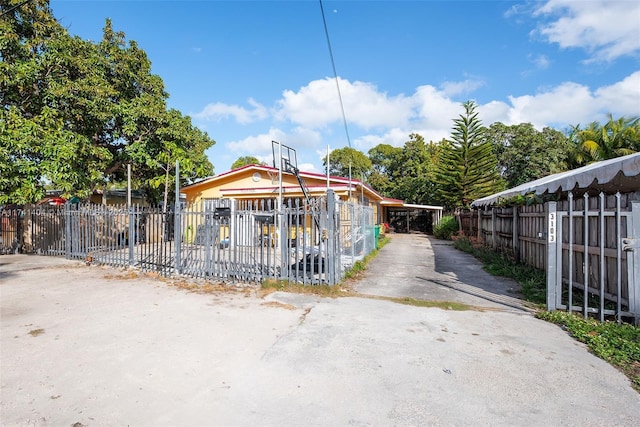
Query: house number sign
(552,227)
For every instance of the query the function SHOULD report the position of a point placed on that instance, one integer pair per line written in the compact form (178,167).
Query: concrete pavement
(422,267)
(97,346)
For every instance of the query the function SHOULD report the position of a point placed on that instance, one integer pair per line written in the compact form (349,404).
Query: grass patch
(269,286)
(444,305)
(618,344)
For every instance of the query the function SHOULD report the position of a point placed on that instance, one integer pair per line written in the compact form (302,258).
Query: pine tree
(467,169)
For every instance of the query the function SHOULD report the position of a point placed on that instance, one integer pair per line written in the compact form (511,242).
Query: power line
(335,74)
(15,7)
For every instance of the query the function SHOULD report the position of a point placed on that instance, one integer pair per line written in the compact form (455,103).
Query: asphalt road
(96,346)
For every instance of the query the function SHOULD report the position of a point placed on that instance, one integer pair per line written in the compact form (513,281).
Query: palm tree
(596,142)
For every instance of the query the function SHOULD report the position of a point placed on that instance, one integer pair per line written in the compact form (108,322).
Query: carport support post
(551,208)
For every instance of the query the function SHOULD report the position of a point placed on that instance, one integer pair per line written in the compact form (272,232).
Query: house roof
(337,183)
(620,174)
(334,180)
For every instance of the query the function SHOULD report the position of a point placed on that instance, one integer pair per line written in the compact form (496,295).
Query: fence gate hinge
(629,244)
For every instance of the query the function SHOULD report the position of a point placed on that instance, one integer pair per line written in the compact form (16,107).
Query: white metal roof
(620,174)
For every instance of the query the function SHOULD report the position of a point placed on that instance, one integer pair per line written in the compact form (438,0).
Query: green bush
(447,227)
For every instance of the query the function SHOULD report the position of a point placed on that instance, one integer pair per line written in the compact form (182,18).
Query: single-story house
(260,182)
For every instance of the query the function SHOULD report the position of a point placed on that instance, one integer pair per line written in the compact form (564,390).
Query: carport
(406,217)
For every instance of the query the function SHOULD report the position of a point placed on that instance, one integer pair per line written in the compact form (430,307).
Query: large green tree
(525,154)
(413,174)
(246,160)
(384,160)
(406,172)
(75,113)
(343,160)
(467,167)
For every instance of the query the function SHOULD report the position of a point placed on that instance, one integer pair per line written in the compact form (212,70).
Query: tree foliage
(345,160)
(413,176)
(74,112)
(467,167)
(384,160)
(246,160)
(525,154)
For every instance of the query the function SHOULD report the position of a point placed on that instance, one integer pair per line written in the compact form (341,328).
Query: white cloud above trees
(606,29)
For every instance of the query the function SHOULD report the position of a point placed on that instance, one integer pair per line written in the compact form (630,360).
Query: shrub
(447,227)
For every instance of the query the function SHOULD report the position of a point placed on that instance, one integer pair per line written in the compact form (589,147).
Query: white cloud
(435,108)
(540,61)
(494,111)
(309,167)
(218,111)
(317,105)
(260,145)
(571,103)
(606,29)
(566,103)
(462,87)
(306,125)
(621,98)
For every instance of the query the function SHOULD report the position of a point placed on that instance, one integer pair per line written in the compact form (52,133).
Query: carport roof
(620,174)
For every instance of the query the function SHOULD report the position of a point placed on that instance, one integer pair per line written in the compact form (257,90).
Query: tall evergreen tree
(467,169)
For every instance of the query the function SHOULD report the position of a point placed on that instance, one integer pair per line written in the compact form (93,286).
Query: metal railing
(309,242)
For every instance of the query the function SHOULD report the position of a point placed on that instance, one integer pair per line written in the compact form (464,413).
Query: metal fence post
(331,239)
(552,286)
(633,261)
(177,229)
(67,230)
(131,241)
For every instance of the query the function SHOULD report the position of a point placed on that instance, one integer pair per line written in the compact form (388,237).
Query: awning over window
(620,174)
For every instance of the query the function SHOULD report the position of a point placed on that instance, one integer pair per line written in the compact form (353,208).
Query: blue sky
(249,72)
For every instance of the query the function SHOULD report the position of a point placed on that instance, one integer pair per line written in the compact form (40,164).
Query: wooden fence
(587,245)
(515,231)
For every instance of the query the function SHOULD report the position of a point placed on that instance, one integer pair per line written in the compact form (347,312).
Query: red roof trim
(266,168)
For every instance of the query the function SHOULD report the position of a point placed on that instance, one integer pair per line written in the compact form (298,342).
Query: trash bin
(376,235)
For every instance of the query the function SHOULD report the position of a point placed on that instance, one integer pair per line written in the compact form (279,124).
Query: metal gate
(593,255)
(309,241)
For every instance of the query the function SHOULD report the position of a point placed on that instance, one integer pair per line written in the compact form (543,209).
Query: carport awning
(620,174)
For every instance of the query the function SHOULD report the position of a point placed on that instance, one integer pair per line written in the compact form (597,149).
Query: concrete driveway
(96,346)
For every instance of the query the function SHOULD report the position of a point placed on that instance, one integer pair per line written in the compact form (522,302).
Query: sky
(252,72)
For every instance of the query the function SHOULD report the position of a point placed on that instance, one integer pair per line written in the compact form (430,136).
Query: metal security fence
(10,223)
(357,231)
(306,241)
